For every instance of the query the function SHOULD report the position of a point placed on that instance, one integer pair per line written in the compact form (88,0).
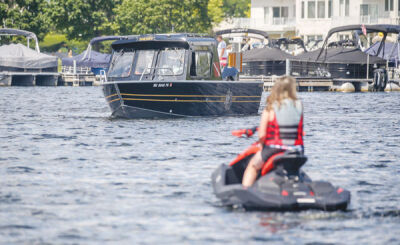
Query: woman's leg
(250,174)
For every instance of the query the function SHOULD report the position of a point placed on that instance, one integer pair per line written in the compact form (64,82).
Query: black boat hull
(149,99)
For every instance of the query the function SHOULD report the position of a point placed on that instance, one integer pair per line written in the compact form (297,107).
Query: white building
(312,19)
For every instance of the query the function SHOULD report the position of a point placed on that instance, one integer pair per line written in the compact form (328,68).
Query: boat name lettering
(162,85)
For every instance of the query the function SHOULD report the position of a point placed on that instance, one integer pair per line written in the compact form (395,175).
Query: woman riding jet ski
(267,175)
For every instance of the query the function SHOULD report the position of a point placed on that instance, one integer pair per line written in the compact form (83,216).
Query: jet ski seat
(289,164)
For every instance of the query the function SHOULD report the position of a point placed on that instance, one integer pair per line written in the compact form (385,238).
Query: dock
(318,84)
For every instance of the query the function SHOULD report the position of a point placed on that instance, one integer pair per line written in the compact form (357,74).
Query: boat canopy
(162,41)
(243,30)
(356,28)
(16,32)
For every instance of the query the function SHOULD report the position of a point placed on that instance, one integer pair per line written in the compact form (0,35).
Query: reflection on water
(70,174)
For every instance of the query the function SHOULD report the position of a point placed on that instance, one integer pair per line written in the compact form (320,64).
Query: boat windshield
(171,62)
(121,64)
(144,62)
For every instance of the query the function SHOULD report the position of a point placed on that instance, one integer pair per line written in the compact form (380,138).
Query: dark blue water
(71,175)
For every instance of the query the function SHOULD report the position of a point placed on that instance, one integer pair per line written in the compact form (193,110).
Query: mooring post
(287,67)
(367,66)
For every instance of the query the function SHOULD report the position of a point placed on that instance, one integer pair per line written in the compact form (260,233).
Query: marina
(199,122)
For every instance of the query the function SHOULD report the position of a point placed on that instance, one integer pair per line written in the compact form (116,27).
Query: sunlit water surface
(69,174)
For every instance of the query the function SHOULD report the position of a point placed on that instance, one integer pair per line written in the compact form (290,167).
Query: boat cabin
(165,56)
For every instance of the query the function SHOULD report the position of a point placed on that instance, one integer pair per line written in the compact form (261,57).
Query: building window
(344,8)
(266,15)
(321,9)
(389,5)
(311,10)
(302,9)
(280,15)
(330,8)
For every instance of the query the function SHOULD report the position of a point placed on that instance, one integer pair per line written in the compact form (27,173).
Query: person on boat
(223,55)
(281,127)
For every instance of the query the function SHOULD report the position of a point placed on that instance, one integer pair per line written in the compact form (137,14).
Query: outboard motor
(380,79)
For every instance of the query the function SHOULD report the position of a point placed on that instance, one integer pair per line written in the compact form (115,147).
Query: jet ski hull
(276,192)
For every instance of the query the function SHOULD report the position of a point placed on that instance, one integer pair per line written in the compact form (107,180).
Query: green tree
(29,15)
(236,8)
(160,16)
(215,11)
(83,19)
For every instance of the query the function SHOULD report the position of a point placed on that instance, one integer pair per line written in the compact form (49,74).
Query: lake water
(71,175)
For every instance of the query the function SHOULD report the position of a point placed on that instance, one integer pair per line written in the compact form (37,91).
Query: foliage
(161,16)
(215,11)
(83,19)
(53,42)
(236,8)
(29,15)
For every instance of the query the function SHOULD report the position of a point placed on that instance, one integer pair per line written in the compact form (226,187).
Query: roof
(16,32)
(242,30)
(156,41)
(106,38)
(369,28)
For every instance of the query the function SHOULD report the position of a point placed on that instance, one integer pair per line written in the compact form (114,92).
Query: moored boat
(174,75)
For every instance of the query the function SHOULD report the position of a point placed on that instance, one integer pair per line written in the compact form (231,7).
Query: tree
(29,15)
(161,16)
(83,19)
(215,11)
(236,8)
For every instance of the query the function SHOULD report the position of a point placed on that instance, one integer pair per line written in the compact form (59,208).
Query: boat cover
(390,51)
(20,56)
(265,54)
(92,59)
(343,55)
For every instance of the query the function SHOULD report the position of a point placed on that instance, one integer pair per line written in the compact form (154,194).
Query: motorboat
(174,75)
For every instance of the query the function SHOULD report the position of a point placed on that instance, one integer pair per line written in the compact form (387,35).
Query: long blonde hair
(284,88)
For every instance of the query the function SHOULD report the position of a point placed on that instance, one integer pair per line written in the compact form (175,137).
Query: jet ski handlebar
(248,132)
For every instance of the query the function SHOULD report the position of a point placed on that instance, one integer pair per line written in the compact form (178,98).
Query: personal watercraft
(281,185)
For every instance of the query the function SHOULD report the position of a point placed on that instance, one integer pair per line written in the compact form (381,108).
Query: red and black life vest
(284,135)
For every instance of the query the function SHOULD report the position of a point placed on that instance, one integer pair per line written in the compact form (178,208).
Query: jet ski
(280,186)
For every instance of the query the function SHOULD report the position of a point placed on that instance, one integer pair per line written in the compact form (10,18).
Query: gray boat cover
(20,56)
(342,55)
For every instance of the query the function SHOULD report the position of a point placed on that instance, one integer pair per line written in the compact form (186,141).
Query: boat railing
(157,68)
(103,76)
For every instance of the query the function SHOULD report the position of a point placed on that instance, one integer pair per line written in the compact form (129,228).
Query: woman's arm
(263,126)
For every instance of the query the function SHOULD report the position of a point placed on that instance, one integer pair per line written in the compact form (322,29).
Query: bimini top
(16,32)
(91,58)
(243,30)
(161,41)
(356,28)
